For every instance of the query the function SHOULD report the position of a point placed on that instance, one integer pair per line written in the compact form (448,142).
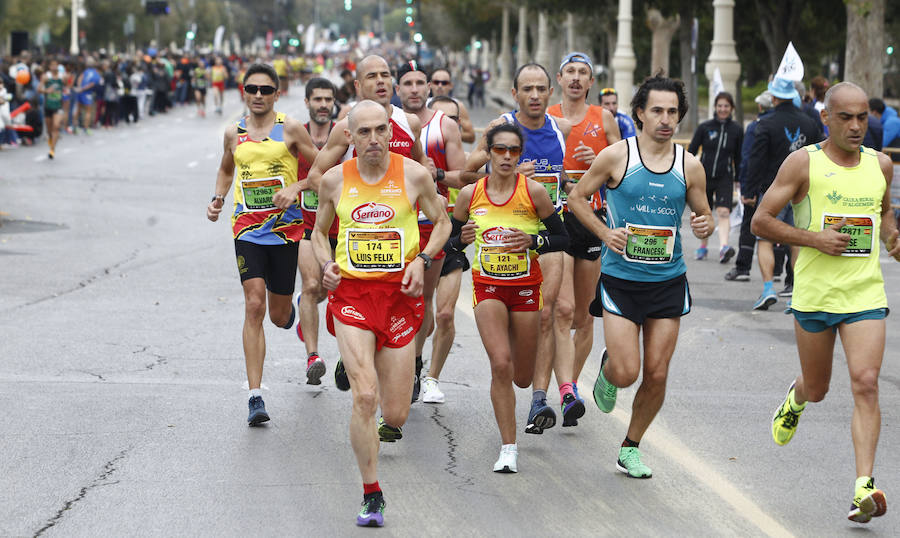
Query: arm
(453,149)
(329,193)
(463,232)
(611,128)
(556,238)
(299,143)
(330,155)
(609,163)
(465,123)
(418,150)
(224,177)
(792,183)
(702,223)
(419,181)
(696,140)
(888,230)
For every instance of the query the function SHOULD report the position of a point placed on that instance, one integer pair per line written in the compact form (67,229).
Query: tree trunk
(663,31)
(686,12)
(864,61)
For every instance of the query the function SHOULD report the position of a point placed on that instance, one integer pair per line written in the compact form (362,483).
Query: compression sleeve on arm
(556,238)
(455,244)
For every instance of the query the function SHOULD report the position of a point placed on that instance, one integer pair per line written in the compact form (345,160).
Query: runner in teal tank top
(52,87)
(642,286)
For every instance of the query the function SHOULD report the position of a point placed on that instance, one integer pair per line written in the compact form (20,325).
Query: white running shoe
(431,393)
(506,463)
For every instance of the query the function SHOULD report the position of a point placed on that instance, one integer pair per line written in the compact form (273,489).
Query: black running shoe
(340,376)
(572,410)
(417,382)
(258,413)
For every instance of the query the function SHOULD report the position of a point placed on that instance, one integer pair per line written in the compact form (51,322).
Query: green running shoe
(868,502)
(604,391)
(630,463)
(388,434)
(784,423)
(341,381)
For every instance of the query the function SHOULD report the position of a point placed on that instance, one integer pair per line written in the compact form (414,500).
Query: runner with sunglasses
(267,224)
(593,128)
(542,160)
(502,215)
(440,84)
(609,100)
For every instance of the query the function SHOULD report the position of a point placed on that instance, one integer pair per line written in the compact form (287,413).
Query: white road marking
(193,164)
(40,158)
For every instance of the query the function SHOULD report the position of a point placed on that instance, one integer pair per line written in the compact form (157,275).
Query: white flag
(717,85)
(791,67)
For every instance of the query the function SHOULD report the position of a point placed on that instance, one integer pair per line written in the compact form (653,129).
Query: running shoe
(725,254)
(341,381)
(50,154)
(766,299)
(572,410)
(299,328)
(604,391)
(431,392)
(776,278)
(736,275)
(388,434)
(258,413)
(700,253)
(372,512)
(788,291)
(507,462)
(575,390)
(784,422)
(630,463)
(541,417)
(868,501)
(417,381)
(315,368)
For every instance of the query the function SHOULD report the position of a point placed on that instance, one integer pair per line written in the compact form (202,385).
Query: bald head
(370,63)
(844,93)
(365,109)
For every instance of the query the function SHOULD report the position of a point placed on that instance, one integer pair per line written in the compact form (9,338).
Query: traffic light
(890,50)
(276,43)
(417,37)
(294,42)
(190,35)
(348,5)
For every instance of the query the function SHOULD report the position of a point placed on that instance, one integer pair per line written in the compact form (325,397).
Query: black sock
(290,323)
(629,443)
(419,365)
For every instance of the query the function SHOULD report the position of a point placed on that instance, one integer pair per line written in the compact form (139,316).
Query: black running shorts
(453,261)
(582,243)
(638,301)
(276,264)
(720,192)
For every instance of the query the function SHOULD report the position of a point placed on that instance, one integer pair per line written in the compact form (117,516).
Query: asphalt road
(123,397)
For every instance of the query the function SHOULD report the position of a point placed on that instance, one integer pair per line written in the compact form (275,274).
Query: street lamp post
(73,43)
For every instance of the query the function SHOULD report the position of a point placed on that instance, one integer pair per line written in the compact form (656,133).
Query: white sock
(511,448)
(255,392)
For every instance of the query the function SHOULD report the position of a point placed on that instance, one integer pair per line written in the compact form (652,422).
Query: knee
(444,317)
(565,313)
(655,379)
(365,401)
(311,287)
(816,393)
(865,382)
(255,309)
(723,212)
(621,374)
(547,316)
(502,370)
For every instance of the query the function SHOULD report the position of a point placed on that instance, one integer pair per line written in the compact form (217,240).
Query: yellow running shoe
(784,423)
(868,502)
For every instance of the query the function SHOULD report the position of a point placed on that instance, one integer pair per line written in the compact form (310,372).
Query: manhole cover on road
(14,226)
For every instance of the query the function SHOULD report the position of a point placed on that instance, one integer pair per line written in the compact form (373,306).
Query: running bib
(309,200)
(375,250)
(497,262)
(649,244)
(551,183)
(860,228)
(258,193)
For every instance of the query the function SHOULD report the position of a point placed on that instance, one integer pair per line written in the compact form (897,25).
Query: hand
(331,276)
(702,225)
(413,278)
(832,241)
(286,197)
(214,208)
(526,168)
(748,201)
(616,239)
(892,245)
(467,236)
(584,154)
(517,240)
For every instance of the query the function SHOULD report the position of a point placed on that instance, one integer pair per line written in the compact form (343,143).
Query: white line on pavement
(193,164)
(40,158)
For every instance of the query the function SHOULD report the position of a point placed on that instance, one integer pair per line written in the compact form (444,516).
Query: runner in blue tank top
(542,160)
(642,284)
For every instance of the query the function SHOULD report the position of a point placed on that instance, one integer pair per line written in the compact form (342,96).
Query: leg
(660,337)
(395,367)
(816,352)
(564,316)
(432,276)
(621,336)
(280,308)
(863,343)
(311,278)
(587,273)
(492,319)
(724,214)
(551,267)
(253,336)
(357,347)
(444,332)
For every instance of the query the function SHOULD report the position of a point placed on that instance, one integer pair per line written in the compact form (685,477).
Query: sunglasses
(500,149)
(265,90)
(608,91)
(440,82)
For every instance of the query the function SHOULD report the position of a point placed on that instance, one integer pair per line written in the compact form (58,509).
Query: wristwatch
(439,176)
(217,197)
(425,258)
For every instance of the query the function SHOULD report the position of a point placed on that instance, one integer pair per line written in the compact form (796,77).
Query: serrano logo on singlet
(372,213)
(480,212)
(526,293)
(497,234)
(351,312)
